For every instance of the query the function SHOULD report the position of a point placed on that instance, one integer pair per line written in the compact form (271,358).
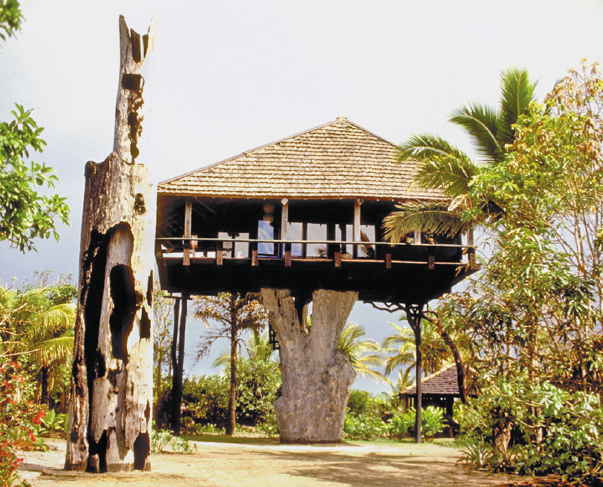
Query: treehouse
(303,213)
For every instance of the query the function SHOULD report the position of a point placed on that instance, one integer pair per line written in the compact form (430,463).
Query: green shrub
(205,398)
(53,423)
(363,427)
(19,418)
(161,439)
(569,443)
(432,422)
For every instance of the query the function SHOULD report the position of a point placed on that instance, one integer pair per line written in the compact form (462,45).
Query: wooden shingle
(443,382)
(333,161)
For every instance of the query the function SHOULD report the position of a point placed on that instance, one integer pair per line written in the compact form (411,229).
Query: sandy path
(220,464)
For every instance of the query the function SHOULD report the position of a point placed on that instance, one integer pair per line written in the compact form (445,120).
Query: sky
(230,75)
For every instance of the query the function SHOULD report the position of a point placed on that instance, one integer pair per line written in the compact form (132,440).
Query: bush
(432,422)
(553,431)
(363,427)
(19,418)
(161,439)
(205,398)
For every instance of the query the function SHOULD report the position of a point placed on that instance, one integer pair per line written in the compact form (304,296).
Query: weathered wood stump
(316,376)
(111,384)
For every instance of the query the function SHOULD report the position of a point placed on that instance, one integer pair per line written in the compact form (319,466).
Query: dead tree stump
(316,376)
(111,384)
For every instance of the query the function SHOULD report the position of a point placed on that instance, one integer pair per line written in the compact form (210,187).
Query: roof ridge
(251,151)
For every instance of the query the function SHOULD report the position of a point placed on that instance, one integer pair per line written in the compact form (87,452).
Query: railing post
(287,254)
(219,254)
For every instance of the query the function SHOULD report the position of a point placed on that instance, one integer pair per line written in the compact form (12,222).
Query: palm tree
(359,349)
(258,348)
(232,313)
(445,167)
(32,324)
(401,347)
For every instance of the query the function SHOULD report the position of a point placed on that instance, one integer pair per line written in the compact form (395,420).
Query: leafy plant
(53,423)
(162,439)
(478,454)
(19,417)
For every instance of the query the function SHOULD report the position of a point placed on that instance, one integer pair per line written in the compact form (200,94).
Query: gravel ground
(269,463)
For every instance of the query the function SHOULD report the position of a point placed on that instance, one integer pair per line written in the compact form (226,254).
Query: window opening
(317,232)
(265,232)
(294,232)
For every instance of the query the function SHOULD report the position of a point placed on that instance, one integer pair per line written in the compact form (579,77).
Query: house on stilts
(303,214)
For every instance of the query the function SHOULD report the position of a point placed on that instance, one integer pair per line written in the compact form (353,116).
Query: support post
(112,374)
(356,225)
(179,334)
(283,233)
(188,215)
(414,317)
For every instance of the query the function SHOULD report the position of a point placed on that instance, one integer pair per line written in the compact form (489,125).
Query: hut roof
(336,160)
(443,382)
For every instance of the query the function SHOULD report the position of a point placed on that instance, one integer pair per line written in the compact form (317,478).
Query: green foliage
(37,323)
(359,402)
(53,423)
(554,431)
(162,439)
(447,168)
(432,422)
(206,397)
(10,18)
(19,418)
(400,423)
(364,427)
(478,453)
(362,352)
(534,316)
(25,213)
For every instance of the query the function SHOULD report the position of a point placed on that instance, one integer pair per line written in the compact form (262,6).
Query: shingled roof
(442,383)
(336,160)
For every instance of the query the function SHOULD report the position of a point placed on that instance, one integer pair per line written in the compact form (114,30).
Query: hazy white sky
(230,75)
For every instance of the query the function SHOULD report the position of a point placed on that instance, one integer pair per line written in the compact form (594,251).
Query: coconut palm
(402,353)
(258,348)
(445,167)
(361,352)
(32,324)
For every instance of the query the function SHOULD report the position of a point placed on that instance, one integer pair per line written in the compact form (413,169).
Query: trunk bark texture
(316,376)
(112,375)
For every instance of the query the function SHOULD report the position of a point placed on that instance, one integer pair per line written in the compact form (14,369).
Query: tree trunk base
(316,376)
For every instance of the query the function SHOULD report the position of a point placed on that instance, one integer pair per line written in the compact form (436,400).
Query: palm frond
(358,349)
(399,360)
(56,319)
(433,218)
(517,94)
(426,147)
(450,174)
(54,349)
(480,122)
(223,360)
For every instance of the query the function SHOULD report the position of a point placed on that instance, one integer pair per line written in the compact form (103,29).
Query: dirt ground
(269,463)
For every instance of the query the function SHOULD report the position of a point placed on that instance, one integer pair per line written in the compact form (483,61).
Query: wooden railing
(430,254)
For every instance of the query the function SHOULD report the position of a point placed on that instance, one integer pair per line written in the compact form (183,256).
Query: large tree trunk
(112,376)
(316,376)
